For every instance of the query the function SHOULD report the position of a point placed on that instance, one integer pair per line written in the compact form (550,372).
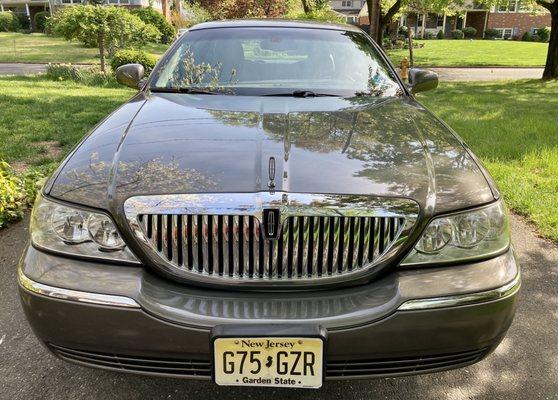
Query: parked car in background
(272,208)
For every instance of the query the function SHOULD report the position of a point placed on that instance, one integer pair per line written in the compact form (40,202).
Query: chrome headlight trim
(452,252)
(44,237)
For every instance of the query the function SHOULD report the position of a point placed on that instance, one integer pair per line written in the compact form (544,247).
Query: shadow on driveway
(525,365)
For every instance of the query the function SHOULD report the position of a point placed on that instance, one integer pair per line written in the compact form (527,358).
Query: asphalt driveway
(525,366)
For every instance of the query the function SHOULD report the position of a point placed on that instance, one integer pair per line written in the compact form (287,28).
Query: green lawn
(513,127)
(467,53)
(41,48)
(35,111)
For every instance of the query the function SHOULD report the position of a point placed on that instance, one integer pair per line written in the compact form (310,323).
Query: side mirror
(421,80)
(130,75)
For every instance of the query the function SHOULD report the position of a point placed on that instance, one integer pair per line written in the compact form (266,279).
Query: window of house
(505,33)
(440,21)
(508,6)
(347,3)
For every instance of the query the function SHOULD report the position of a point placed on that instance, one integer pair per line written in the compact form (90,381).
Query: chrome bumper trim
(75,295)
(502,292)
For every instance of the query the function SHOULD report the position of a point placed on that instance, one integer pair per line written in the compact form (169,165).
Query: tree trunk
(551,66)
(374,14)
(410,41)
(165,9)
(387,19)
(102,52)
(178,7)
(306,6)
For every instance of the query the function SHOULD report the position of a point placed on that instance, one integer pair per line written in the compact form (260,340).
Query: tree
(153,17)
(229,9)
(374,15)
(109,28)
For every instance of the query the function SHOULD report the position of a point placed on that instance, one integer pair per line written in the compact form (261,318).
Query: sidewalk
(487,74)
(446,74)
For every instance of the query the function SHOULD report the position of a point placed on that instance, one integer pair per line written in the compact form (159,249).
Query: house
(510,19)
(26,9)
(348,9)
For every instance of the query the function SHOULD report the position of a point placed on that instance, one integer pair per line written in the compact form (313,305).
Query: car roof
(274,23)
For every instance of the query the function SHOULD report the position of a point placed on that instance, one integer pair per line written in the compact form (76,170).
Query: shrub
(440,35)
(429,35)
(491,34)
(12,195)
(320,13)
(469,32)
(527,37)
(195,14)
(91,76)
(8,22)
(123,57)
(544,34)
(23,21)
(457,34)
(40,21)
(535,38)
(18,190)
(153,17)
(402,31)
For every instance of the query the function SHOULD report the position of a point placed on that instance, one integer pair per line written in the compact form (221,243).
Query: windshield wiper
(188,90)
(301,93)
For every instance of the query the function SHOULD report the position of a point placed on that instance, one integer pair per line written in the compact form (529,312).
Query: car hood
(177,143)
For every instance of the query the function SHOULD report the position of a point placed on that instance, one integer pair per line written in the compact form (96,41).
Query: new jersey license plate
(269,361)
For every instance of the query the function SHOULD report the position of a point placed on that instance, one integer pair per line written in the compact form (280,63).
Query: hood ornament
(271,173)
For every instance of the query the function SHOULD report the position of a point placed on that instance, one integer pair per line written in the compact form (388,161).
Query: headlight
(76,231)
(467,235)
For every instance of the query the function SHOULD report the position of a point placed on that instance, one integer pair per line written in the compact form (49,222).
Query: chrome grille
(220,239)
(234,246)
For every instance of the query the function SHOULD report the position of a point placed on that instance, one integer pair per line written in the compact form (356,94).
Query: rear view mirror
(421,80)
(130,75)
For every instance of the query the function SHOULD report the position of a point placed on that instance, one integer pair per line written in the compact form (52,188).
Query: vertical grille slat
(234,247)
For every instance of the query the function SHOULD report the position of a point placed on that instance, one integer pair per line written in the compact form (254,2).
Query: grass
(470,53)
(513,127)
(41,48)
(41,120)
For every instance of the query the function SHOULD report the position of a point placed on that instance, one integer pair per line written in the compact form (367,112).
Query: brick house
(510,19)
(26,9)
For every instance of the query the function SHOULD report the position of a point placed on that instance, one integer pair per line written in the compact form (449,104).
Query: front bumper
(126,318)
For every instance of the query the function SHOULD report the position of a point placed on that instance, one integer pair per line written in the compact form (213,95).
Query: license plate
(269,361)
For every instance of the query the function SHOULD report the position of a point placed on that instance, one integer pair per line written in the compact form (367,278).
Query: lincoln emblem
(271,223)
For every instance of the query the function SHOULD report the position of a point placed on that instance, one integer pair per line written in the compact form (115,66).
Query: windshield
(275,61)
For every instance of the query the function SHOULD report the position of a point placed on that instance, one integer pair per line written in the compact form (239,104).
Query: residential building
(349,9)
(511,19)
(26,9)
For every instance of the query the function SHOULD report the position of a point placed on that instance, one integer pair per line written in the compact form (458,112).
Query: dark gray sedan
(272,208)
